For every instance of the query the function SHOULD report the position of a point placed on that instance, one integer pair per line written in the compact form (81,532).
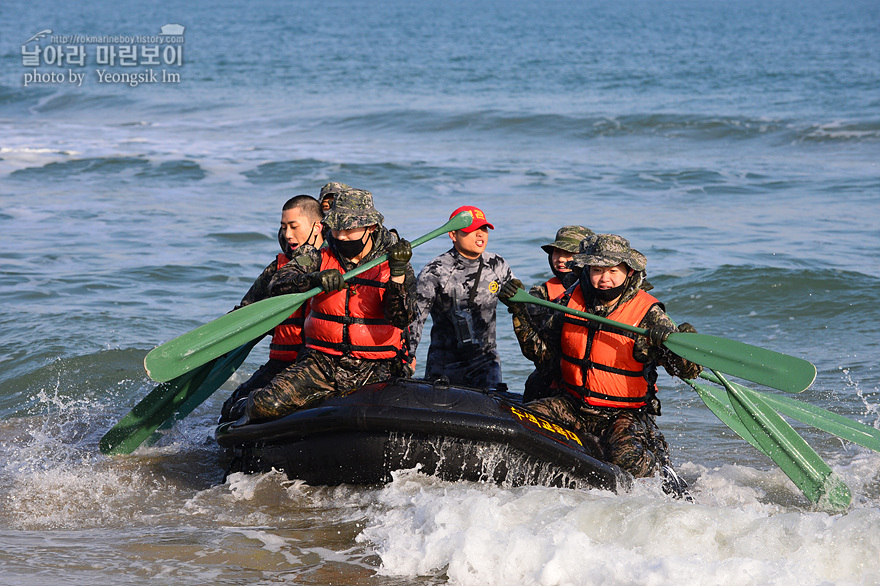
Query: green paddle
(146,416)
(765,367)
(224,367)
(171,401)
(193,349)
(827,421)
(789,450)
(724,411)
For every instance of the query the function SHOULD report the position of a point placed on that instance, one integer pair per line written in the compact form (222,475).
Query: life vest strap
(348,320)
(367,282)
(286,347)
(587,364)
(346,348)
(582,393)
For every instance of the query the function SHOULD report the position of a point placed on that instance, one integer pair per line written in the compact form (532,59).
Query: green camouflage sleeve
(540,344)
(675,365)
(260,289)
(539,291)
(294,276)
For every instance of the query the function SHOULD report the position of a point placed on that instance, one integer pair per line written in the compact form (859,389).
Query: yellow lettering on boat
(544,424)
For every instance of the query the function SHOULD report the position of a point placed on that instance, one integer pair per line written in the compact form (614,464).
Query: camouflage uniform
(630,437)
(544,381)
(463,345)
(259,291)
(317,375)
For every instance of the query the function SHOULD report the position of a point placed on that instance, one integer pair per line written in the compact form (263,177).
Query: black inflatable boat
(452,432)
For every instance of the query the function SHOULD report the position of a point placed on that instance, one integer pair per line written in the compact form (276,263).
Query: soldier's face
(470,245)
(560,258)
(356,235)
(297,229)
(609,277)
(353,233)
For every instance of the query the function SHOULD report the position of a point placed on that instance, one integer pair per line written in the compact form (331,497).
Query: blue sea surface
(735,143)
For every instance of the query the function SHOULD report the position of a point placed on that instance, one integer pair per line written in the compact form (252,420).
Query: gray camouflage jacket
(443,289)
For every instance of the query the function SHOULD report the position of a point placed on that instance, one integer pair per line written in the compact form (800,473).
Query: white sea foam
(483,535)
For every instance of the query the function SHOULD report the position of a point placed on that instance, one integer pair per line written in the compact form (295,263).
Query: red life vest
(597,360)
(555,289)
(287,337)
(352,321)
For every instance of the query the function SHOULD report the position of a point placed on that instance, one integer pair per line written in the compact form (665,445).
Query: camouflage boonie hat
(352,208)
(568,238)
(609,250)
(332,188)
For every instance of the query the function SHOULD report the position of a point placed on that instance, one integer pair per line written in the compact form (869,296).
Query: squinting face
(560,259)
(470,245)
(609,277)
(297,229)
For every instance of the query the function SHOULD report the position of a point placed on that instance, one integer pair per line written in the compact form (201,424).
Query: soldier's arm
(400,301)
(538,340)
(294,276)
(674,364)
(538,313)
(260,288)
(426,289)
(539,291)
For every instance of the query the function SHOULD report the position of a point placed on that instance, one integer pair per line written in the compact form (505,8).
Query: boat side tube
(452,432)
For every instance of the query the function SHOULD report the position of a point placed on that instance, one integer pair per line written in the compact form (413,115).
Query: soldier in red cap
(459,290)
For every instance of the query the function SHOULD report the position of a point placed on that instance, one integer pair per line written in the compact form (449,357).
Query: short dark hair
(307,204)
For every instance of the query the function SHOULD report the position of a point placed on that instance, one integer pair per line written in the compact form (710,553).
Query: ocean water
(735,143)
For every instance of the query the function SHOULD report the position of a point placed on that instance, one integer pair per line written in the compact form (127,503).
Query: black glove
(233,409)
(687,328)
(399,254)
(235,397)
(658,334)
(329,281)
(508,290)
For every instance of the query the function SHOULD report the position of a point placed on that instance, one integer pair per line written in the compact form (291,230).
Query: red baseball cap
(479,218)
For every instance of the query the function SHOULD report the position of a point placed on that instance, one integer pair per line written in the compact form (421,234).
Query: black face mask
(568,279)
(610,294)
(350,248)
(604,295)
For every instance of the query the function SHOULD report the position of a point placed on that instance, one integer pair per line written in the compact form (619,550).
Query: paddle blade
(766,367)
(207,342)
(789,450)
(717,402)
(156,407)
(828,421)
(171,401)
(222,369)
